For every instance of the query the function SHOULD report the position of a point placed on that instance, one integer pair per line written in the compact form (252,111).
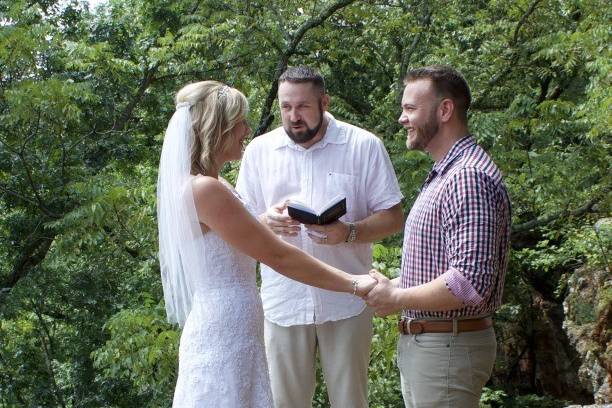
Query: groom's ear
(446,109)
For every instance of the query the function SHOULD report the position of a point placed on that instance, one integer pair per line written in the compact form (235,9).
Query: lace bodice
(221,257)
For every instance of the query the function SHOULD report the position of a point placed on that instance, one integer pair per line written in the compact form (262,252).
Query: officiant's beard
(307,135)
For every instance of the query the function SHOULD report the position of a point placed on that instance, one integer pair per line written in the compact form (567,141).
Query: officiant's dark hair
(303,74)
(448,83)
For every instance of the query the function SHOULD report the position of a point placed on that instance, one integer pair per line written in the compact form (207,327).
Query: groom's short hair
(447,83)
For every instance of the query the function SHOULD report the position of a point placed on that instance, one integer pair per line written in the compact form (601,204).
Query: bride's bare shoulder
(210,188)
(204,182)
(215,204)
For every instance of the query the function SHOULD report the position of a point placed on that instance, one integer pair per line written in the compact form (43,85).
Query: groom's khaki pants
(344,349)
(439,370)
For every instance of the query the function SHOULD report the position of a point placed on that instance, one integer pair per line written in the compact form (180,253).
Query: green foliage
(491,398)
(549,257)
(143,351)
(383,377)
(386,259)
(84,100)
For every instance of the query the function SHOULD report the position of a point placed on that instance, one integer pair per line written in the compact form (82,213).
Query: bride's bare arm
(224,214)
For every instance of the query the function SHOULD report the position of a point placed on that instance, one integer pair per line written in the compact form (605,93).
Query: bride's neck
(214,172)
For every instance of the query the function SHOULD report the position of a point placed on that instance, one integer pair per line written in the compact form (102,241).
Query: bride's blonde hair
(215,109)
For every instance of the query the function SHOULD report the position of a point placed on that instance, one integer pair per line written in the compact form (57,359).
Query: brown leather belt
(410,326)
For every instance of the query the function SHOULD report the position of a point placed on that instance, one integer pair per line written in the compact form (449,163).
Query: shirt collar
(455,151)
(333,134)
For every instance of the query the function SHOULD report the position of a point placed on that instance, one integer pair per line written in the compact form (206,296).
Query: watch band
(352,235)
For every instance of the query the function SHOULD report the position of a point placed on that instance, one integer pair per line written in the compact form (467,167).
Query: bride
(209,243)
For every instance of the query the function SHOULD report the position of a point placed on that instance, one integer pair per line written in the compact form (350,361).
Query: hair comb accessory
(222,91)
(183,105)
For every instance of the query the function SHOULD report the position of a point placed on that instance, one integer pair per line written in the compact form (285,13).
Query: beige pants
(443,371)
(344,350)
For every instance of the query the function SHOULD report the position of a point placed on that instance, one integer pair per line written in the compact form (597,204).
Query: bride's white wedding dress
(222,360)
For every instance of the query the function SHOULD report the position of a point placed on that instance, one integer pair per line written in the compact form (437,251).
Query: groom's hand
(385,297)
(279,221)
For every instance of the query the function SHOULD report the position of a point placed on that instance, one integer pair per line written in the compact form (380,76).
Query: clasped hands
(377,290)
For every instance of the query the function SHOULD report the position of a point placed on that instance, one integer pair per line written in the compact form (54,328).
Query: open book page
(328,212)
(300,206)
(318,211)
(329,204)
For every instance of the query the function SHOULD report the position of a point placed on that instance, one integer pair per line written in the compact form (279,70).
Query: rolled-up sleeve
(469,224)
(381,182)
(247,183)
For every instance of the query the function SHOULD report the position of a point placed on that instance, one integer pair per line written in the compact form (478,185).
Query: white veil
(180,252)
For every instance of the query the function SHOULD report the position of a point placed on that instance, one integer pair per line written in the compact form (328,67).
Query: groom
(315,157)
(455,251)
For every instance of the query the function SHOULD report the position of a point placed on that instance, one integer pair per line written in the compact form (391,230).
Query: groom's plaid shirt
(459,228)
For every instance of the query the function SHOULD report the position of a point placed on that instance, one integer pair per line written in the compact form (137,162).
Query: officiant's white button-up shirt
(347,161)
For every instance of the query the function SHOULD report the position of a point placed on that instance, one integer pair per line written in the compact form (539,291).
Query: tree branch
(37,201)
(522,22)
(48,350)
(20,197)
(547,219)
(316,21)
(41,205)
(147,80)
(33,254)
(511,44)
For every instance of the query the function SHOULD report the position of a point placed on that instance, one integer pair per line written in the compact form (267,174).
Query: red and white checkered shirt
(459,228)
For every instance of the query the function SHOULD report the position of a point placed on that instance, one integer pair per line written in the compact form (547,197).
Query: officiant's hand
(279,221)
(329,234)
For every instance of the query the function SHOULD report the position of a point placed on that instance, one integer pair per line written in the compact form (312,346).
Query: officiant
(312,158)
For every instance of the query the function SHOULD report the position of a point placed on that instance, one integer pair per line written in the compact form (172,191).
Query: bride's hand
(365,283)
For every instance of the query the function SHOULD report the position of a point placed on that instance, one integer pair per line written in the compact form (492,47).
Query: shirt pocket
(344,185)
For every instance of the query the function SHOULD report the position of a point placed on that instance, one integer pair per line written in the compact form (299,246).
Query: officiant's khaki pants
(439,370)
(344,350)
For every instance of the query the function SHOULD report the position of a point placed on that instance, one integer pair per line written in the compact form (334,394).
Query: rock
(588,324)
(590,406)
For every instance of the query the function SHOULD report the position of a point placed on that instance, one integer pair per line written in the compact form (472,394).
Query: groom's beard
(424,133)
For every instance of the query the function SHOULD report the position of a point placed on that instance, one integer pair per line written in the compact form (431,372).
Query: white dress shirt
(347,161)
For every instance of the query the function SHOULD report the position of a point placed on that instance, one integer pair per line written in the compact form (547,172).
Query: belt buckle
(405,326)
(408,323)
(417,325)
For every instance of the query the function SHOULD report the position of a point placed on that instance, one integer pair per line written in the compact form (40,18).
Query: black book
(330,212)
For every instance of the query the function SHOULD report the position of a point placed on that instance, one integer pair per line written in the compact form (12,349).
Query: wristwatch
(352,235)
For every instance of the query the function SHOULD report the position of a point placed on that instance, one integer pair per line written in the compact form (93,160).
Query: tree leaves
(85,98)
